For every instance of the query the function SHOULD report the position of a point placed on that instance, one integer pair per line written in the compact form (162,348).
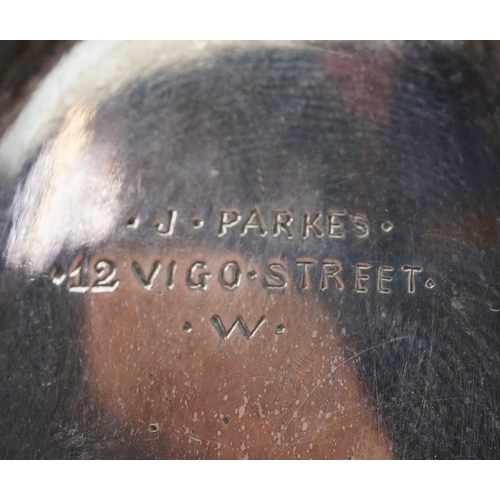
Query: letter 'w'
(224,334)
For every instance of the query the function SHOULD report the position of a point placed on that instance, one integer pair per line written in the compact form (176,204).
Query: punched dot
(279,329)
(387,226)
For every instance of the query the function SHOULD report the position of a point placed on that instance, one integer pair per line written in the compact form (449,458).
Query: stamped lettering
(317,260)
(224,333)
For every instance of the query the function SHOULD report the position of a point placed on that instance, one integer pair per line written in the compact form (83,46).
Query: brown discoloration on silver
(294,395)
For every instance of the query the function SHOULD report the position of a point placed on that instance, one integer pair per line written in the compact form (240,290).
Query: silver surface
(253,250)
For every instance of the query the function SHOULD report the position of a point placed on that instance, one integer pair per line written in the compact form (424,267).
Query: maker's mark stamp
(334,229)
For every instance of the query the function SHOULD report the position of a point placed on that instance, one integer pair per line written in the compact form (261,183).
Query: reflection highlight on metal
(253,250)
(69,199)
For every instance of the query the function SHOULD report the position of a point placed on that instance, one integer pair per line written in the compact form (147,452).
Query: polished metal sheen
(252,250)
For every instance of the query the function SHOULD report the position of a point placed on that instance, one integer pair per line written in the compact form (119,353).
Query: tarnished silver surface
(253,250)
